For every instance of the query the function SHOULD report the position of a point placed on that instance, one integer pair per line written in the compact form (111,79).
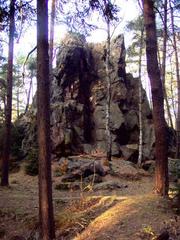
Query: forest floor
(132,212)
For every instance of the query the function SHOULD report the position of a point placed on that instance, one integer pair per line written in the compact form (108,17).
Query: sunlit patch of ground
(126,218)
(76,216)
(120,214)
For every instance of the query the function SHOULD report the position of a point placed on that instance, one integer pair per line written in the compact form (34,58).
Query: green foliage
(17,135)
(18,91)
(78,19)
(3,73)
(132,50)
(24,13)
(16,154)
(135,25)
(108,9)
(177,4)
(174,167)
(32,162)
(3,14)
(57,172)
(31,65)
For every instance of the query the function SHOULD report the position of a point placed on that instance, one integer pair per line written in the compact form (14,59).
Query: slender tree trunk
(108,103)
(161,171)
(172,91)
(140,100)
(17,99)
(51,40)
(17,106)
(46,217)
(8,109)
(150,93)
(178,85)
(32,92)
(163,69)
(159,57)
(29,93)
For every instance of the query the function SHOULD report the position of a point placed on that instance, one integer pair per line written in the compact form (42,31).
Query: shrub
(32,162)
(16,154)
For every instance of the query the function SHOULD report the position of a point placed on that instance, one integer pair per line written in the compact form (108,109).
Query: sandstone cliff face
(78,100)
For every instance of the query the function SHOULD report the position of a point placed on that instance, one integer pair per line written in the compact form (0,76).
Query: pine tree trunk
(8,109)
(172,91)
(51,40)
(163,70)
(17,106)
(29,93)
(108,103)
(140,101)
(46,217)
(161,170)
(178,85)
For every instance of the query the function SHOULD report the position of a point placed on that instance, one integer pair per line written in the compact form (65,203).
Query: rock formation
(78,99)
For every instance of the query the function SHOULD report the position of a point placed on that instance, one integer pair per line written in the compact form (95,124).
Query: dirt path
(128,218)
(133,212)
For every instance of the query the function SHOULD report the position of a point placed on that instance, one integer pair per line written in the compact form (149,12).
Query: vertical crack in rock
(78,101)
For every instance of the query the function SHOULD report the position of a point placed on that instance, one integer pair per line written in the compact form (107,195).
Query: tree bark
(163,70)
(46,218)
(17,105)
(51,40)
(29,93)
(172,90)
(161,170)
(8,109)
(178,84)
